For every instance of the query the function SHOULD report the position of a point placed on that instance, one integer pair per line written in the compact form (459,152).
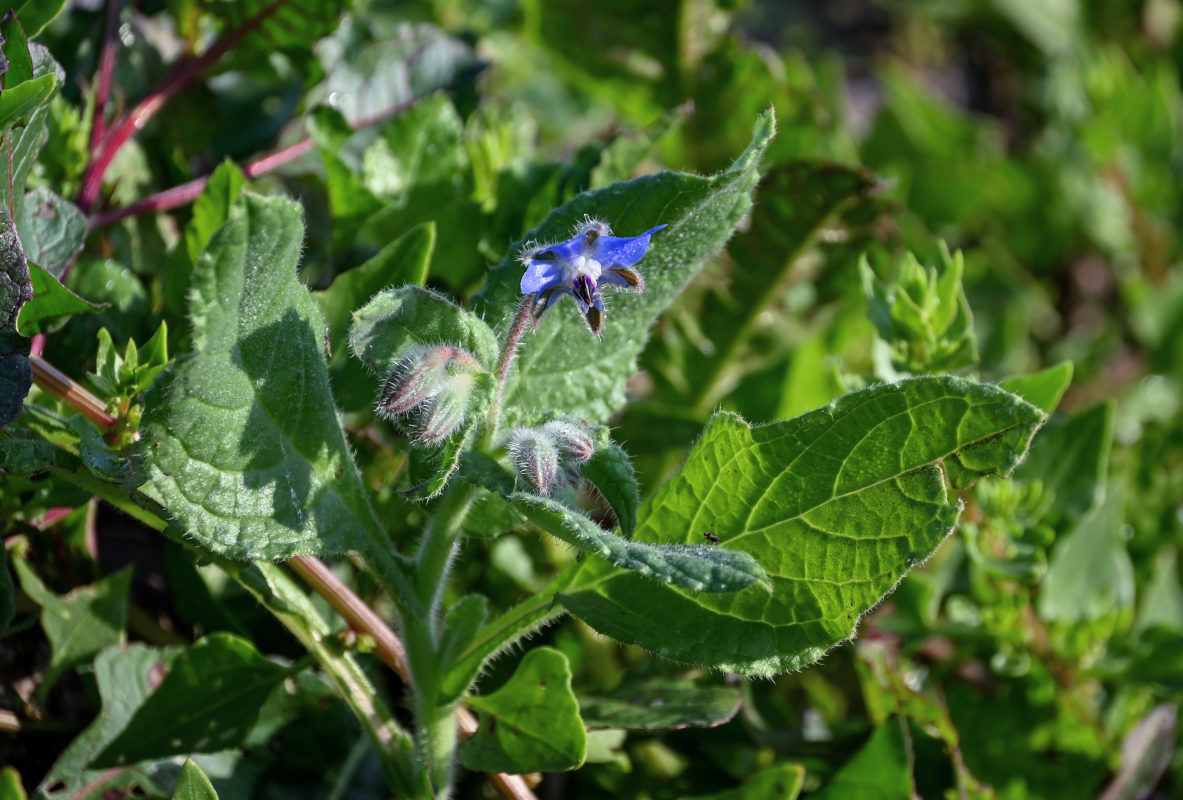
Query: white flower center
(585,265)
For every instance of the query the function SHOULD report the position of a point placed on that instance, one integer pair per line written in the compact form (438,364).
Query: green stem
(433,561)
(513,338)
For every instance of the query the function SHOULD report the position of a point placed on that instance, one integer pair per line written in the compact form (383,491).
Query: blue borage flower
(580,266)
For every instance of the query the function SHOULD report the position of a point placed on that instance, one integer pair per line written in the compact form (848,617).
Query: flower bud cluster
(428,391)
(547,456)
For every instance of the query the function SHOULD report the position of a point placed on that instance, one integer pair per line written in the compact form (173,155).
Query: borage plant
(757,556)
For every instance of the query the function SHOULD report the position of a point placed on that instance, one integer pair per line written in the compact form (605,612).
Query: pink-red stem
(106,71)
(92,179)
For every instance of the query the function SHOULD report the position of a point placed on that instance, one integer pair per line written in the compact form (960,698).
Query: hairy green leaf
(241,441)
(837,505)
(611,472)
(208,701)
(531,724)
(561,366)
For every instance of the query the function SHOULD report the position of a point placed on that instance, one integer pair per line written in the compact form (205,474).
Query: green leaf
(531,724)
(210,212)
(10,784)
(838,505)
(461,626)
(661,704)
(696,567)
(22,145)
(241,442)
(16,52)
(1091,576)
(51,303)
(781,782)
(192,784)
(29,457)
(208,701)
(1162,599)
(126,676)
(419,167)
(270,27)
(350,202)
(611,472)
(78,624)
(18,101)
(403,261)
(561,366)
(1043,389)
(880,770)
(797,200)
(1070,457)
(52,229)
(35,15)
(16,289)
(397,320)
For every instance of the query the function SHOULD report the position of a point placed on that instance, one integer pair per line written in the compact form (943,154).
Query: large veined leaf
(562,366)
(837,505)
(241,441)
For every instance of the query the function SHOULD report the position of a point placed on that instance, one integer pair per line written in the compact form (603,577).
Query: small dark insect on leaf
(710,537)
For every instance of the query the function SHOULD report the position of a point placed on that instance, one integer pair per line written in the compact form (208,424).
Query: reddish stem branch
(138,117)
(106,71)
(187,192)
(62,386)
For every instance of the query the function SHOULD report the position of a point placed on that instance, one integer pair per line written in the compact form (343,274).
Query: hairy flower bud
(415,379)
(444,412)
(536,458)
(572,440)
(428,391)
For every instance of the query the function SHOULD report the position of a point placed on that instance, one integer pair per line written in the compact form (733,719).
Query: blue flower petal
(622,250)
(568,250)
(541,275)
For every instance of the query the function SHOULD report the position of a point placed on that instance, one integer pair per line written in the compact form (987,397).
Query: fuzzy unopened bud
(444,412)
(415,379)
(571,439)
(536,458)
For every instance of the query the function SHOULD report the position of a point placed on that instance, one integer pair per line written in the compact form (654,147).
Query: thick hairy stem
(438,547)
(512,339)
